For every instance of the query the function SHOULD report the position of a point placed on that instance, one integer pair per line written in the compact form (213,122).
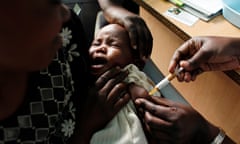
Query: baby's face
(111,47)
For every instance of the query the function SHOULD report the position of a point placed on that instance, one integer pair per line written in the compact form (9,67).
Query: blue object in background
(231,11)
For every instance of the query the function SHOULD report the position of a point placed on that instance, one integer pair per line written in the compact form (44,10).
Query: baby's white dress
(125,127)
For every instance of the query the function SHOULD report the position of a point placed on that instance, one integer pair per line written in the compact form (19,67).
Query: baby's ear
(137,91)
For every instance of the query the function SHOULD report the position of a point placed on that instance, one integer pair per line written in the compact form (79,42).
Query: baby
(111,47)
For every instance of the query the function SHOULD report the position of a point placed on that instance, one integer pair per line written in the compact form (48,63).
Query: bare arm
(104,4)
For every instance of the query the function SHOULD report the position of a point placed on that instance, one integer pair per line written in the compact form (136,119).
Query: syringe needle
(164,82)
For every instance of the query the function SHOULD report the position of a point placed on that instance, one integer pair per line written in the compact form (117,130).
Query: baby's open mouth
(98,63)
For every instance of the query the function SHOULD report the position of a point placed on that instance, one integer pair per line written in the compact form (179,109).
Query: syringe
(164,82)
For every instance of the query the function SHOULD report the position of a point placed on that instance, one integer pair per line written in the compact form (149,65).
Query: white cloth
(125,127)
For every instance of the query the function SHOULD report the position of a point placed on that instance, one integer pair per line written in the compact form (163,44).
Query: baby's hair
(137,60)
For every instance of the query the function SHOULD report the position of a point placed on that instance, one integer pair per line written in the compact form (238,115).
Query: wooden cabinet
(214,94)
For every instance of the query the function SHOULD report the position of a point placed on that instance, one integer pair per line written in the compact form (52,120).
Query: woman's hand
(106,98)
(173,122)
(140,35)
(201,54)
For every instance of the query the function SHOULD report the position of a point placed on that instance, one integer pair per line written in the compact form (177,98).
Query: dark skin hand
(201,54)
(167,121)
(139,33)
(172,122)
(102,104)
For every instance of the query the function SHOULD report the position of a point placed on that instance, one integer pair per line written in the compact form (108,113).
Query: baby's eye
(95,43)
(115,45)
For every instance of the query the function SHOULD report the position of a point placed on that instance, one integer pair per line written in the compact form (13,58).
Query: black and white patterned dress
(48,112)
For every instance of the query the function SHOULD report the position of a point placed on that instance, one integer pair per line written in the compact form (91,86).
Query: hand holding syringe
(164,82)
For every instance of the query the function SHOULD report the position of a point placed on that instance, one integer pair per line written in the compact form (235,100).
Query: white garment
(125,127)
